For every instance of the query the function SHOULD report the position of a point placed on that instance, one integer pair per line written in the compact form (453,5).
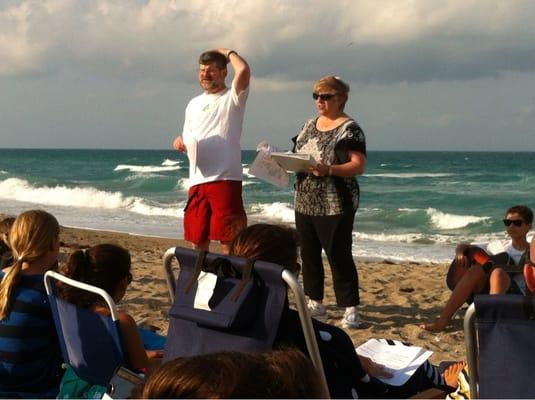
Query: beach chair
(500,346)
(195,329)
(90,343)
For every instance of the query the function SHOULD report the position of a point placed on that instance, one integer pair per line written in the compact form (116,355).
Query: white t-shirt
(501,246)
(212,131)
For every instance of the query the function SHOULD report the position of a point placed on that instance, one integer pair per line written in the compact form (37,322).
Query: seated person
(283,374)
(5,252)
(30,356)
(473,278)
(346,372)
(529,268)
(107,266)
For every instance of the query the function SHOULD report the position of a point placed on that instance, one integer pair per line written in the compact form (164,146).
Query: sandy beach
(395,298)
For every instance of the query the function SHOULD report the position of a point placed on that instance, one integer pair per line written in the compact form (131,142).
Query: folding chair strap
(246,276)
(199,263)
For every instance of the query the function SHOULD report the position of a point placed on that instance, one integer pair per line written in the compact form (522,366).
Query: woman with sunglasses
(474,278)
(327,198)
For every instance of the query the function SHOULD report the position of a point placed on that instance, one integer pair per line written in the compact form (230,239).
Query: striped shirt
(30,358)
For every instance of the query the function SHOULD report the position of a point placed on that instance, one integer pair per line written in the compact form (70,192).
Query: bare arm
(242,72)
(355,166)
(133,345)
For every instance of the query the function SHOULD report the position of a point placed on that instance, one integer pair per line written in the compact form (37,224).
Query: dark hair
(265,242)
(524,211)
(279,374)
(103,266)
(6,224)
(215,57)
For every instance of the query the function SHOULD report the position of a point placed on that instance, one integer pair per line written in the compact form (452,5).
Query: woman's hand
(320,169)
(374,369)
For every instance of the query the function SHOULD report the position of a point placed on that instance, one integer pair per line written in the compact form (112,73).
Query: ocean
(415,206)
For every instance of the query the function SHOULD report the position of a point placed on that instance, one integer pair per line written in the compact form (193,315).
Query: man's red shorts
(214,211)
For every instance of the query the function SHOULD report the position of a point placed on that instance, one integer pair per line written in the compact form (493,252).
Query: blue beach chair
(90,342)
(499,337)
(241,311)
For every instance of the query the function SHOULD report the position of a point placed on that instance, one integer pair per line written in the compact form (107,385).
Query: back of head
(213,57)
(524,211)
(265,242)
(6,224)
(103,266)
(209,376)
(34,233)
(279,374)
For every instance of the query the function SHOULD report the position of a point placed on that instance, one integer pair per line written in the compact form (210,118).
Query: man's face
(514,231)
(211,78)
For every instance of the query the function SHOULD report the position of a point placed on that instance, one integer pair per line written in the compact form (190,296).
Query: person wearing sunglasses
(327,198)
(475,278)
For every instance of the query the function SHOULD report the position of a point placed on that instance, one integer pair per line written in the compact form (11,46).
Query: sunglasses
(515,222)
(323,96)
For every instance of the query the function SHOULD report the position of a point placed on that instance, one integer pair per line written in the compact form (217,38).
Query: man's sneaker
(351,318)
(316,309)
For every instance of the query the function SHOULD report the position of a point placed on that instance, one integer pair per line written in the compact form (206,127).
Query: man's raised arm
(242,72)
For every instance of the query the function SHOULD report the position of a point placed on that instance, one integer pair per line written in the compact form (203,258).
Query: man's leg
(500,282)
(197,218)
(473,281)
(228,215)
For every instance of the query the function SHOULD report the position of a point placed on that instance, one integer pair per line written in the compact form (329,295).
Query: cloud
(285,42)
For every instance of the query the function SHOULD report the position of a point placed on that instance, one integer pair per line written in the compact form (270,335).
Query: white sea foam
(146,168)
(410,175)
(246,173)
(170,163)
(183,184)
(86,197)
(283,212)
(446,221)
(3,172)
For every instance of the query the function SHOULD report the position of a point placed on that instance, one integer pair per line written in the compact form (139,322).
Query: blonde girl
(30,359)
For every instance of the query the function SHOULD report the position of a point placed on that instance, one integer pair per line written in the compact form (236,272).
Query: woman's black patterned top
(328,195)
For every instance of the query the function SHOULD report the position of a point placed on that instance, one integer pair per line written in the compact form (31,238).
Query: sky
(424,75)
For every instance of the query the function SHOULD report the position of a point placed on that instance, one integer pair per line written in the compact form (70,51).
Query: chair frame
(304,316)
(470,342)
(114,314)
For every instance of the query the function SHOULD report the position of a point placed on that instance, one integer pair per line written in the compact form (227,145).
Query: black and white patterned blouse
(328,195)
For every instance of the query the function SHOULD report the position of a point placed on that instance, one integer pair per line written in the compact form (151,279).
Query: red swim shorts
(214,211)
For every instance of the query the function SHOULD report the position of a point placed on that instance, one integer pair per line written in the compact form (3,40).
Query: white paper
(265,168)
(295,162)
(399,359)
(205,289)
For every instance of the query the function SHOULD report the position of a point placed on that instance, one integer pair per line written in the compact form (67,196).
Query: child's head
(34,237)
(5,227)
(265,242)
(279,374)
(106,266)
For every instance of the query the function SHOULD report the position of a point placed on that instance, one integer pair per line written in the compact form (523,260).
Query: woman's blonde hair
(33,234)
(332,84)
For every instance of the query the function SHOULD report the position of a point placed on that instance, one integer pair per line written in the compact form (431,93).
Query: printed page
(295,162)
(265,168)
(399,359)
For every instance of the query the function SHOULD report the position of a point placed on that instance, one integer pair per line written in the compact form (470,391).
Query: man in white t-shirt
(211,138)
(475,278)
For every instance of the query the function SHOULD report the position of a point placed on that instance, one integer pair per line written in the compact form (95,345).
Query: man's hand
(179,145)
